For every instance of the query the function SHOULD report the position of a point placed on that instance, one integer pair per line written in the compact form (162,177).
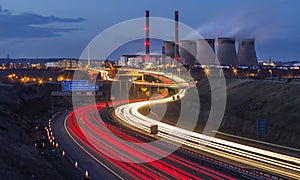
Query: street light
(40,82)
(207,71)
(235,71)
(270,72)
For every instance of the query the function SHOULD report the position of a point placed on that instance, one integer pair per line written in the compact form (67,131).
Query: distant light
(271,72)
(207,71)
(60,78)
(295,67)
(144,89)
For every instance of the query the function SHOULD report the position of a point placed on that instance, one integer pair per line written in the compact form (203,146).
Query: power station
(204,49)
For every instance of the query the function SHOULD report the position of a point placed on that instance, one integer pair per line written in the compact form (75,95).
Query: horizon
(33,30)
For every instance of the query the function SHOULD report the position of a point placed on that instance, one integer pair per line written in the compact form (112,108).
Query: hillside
(22,109)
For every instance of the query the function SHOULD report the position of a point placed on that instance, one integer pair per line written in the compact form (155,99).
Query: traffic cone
(86,174)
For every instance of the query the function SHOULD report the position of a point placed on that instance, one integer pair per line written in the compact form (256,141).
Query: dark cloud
(29,25)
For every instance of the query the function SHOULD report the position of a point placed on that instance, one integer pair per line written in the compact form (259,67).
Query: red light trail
(89,129)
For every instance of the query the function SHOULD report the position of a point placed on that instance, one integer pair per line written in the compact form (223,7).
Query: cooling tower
(169,48)
(188,51)
(226,51)
(246,52)
(206,51)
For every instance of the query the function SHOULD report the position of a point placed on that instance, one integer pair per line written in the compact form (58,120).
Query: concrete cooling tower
(169,48)
(206,51)
(188,51)
(246,52)
(226,51)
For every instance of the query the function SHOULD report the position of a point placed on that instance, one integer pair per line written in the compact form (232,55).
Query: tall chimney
(176,36)
(147,40)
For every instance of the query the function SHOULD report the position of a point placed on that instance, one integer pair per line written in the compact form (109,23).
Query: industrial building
(169,49)
(201,51)
(226,51)
(188,51)
(246,52)
(206,51)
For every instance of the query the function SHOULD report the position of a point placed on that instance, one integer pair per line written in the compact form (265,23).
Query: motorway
(111,151)
(107,142)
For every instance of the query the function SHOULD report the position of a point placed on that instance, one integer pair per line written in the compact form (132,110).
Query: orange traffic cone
(86,174)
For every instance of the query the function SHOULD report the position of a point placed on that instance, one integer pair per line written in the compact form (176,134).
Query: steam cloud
(247,22)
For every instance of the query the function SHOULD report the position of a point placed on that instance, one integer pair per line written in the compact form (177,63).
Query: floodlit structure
(226,51)
(188,51)
(206,51)
(246,52)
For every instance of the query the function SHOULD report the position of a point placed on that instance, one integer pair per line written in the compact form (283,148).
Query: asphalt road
(85,161)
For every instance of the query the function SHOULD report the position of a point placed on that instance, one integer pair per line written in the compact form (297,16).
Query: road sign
(82,82)
(78,85)
(261,126)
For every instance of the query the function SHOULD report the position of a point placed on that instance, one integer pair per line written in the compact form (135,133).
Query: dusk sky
(61,28)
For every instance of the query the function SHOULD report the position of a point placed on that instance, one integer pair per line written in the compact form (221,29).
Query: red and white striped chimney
(176,36)
(147,40)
